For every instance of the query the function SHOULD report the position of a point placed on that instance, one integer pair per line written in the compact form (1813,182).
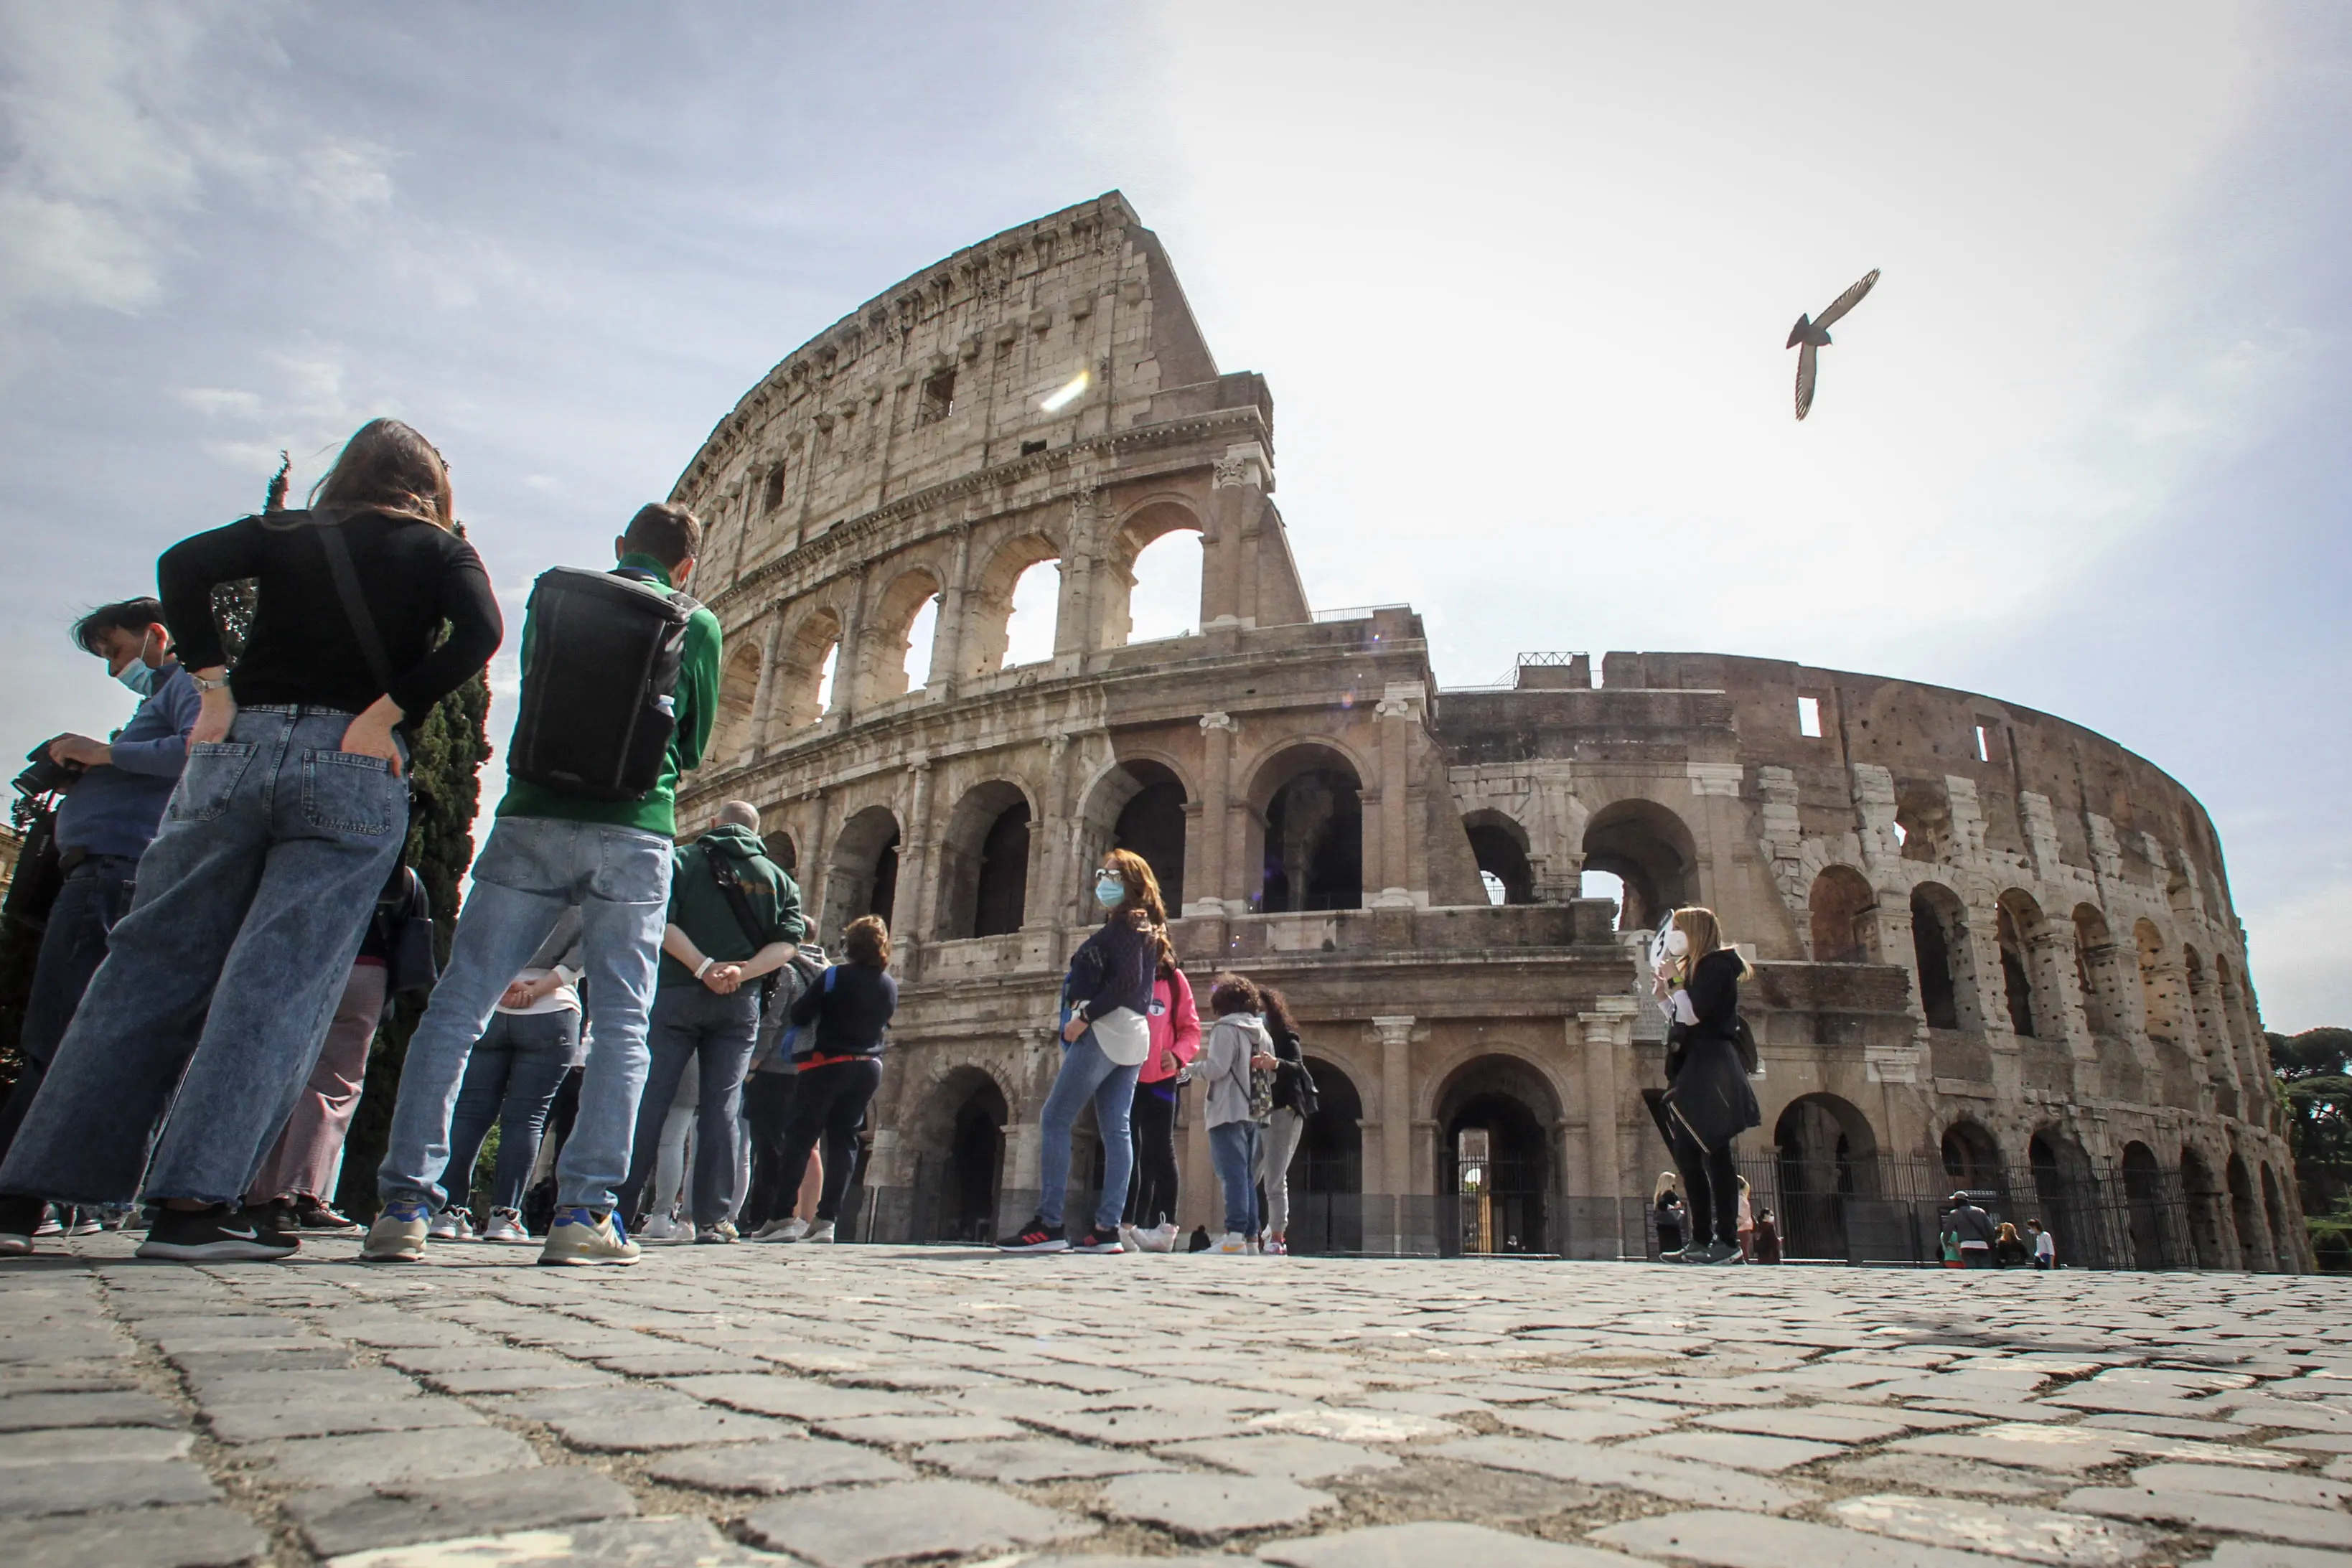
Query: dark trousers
(717,1032)
(829,1102)
(1152,1198)
(1711,1188)
(511,1080)
(95,895)
(767,1100)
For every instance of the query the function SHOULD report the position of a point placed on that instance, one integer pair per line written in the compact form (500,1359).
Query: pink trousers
(303,1162)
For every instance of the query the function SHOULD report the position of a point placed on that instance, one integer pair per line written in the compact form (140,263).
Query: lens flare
(1067,394)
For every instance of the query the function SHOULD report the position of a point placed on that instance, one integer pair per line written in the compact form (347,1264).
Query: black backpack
(599,683)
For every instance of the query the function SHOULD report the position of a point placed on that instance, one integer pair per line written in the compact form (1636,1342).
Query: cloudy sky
(1520,277)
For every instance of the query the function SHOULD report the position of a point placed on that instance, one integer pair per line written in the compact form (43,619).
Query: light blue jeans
(531,872)
(215,996)
(1086,1073)
(1233,1150)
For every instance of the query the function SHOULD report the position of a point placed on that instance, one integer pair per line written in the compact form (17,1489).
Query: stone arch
(2067,1192)
(2159,986)
(1946,961)
(1306,829)
(782,848)
(861,873)
(2246,1217)
(2144,1207)
(958,1134)
(731,730)
(983,861)
(988,601)
(2203,1198)
(796,695)
(1649,848)
(1972,1158)
(1139,803)
(1844,908)
(1499,844)
(1117,577)
(1327,1175)
(2017,926)
(2094,971)
(2274,1213)
(1923,820)
(1496,1118)
(1825,1154)
(882,662)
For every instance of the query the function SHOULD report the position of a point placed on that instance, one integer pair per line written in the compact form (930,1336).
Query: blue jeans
(1233,1149)
(1086,1073)
(221,980)
(96,894)
(695,1023)
(511,1080)
(533,870)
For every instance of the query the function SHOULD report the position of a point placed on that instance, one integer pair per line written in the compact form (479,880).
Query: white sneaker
(1159,1238)
(506,1226)
(662,1228)
(793,1229)
(1234,1244)
(1130,1237)
(450,1225)
(821,1231)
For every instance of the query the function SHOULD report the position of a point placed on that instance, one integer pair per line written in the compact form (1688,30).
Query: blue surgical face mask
(1109,891)
(140,678)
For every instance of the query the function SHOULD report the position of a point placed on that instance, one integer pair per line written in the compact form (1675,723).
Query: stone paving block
(624,1431)
(364,1458)
(2235,1480)
(850,1529)
(899,1430)
(1342,1424)
(1010,1399)
(1810,1423)
(1026,1461)
(209,1536)
(289,1356)
(1927,1472)
(2169,1427)
(679,1363)
(65,1376)
(1740,1450)
(1413,1402)
(311,1385)
(2224,1515)
(255,1423)
(468,1358)
(2033,1534)
(1722,1539)
(129,1444)
(621,1544)
(2038,1445)
(88,1486)
(2315,1442)
(1450,1489)
(1139,1428)
(804,1399)
(1214,1505)
(521,1379)
(1577,1425)
(1434,1543)
(1290,1458)
(348,1520)
(1677,1481)
(794,1464)
(2270,1554)
(31,1412)
(601,1400)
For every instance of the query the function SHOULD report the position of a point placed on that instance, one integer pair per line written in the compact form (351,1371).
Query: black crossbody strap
(731,888)
(347,588)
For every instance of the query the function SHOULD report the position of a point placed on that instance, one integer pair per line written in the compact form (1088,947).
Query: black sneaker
(19,1219)
(223,1233)
(1033,1236)
(276,1216)
(1097,1240)
(309,1214)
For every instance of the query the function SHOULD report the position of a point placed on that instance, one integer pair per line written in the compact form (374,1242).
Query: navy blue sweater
(1113,969)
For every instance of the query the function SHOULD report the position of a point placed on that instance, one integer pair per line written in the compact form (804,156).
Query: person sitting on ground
(1768,1238)
(2008,1248)
(1666,1204)
(198,1034)
(844,1022)
(1237,1047)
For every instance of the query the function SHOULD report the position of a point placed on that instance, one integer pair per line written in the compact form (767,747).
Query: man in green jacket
(734,917)
(548,851)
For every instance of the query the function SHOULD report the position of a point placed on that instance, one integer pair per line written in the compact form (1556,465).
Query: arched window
(1939,943)
(1494,1116)
(1002,893)
(772,493)
(1328,1171)
(887,668)
(1500,846)
(861,875)
(2016,919)
(1651,849)
(1972,1161)
(1826,1155)
(2094,963)
(1012,580)
(1152,825)
(2253,1241)
(782,850)
(1036,603)
(2203,1196)
(738,686)
(2159,986)
(2145,1208)
(806,661)
(1163,596)
(1844,917)
(1312,838)
(1923,821)
(984,862)
(958,1138)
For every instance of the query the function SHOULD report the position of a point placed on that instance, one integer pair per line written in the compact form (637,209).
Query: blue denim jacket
(114,810)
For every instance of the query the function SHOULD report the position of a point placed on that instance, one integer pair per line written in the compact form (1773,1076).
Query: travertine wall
(905,453)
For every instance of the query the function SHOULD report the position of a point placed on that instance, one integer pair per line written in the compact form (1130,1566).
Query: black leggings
(829,1101)
(767,1100)
(1152,1121)
(1711,1186)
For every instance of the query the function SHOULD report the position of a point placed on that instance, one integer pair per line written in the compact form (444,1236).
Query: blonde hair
(1667,1182)
(1706,934)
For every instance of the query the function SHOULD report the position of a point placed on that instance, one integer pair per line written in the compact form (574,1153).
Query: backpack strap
(328,524)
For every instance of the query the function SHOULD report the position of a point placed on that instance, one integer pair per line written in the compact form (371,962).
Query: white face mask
(1677,942)
(1111,892)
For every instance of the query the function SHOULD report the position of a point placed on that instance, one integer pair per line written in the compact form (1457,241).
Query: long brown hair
(1706,934)
(1143,908)
(1278,1021)
(388,467)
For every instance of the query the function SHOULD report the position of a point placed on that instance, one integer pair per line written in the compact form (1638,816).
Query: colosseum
(1994,949)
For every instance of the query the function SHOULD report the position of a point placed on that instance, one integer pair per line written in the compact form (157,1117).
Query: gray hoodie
(1232,1040)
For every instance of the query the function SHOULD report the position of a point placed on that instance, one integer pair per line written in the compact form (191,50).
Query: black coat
(1707,1085)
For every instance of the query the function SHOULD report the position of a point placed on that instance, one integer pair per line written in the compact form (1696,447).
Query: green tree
(2315,1074)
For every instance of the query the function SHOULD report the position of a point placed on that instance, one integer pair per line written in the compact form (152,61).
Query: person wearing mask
(511,1077)
(1104,1039)
(1175,1040)
(1286,1123)
(843,1021)
(1974,1227)
(2045,1246)
(1707,1101)
(196,1036)
(734,917)
(291,1190)
(549,850)
(1666,1204)
(1236,1048)
(108,817)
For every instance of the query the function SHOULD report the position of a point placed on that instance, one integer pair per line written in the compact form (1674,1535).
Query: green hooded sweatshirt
(697,907)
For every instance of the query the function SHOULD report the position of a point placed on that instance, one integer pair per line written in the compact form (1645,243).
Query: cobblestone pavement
(841,1406)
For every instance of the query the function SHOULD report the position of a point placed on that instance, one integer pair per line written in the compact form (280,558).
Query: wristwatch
(203,684)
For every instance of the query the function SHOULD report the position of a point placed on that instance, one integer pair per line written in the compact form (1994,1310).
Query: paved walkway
(848,1405)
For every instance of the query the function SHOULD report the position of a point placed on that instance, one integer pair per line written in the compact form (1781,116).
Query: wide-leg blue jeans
(1087,1075)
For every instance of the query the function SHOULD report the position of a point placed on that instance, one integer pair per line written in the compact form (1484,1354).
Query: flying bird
(1808,336)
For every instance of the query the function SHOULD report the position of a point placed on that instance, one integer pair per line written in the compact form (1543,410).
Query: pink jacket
(1175,1026)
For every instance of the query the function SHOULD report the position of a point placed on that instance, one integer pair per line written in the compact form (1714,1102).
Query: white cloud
(2298,961)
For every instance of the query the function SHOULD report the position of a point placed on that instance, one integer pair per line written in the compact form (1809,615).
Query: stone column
(1209,887)
(755,739)
(1237,497)
(917,892)
(1388,831)
(1075,617)
(1396,1138)
(1605,1035)
(947,637)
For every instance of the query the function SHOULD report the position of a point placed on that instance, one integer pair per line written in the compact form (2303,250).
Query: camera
(46,774)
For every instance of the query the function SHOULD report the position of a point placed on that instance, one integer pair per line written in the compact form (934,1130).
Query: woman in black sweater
(1707,1101)
(839,1027)
(220,980)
